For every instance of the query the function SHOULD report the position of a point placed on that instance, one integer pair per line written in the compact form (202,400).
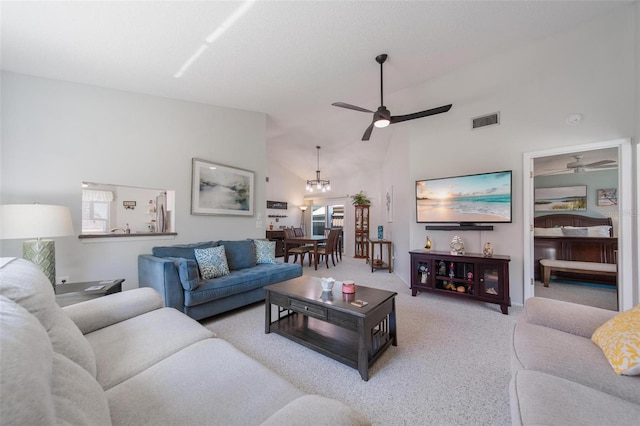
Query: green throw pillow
(212,262)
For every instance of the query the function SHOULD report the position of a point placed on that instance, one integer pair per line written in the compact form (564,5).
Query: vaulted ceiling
(288,59)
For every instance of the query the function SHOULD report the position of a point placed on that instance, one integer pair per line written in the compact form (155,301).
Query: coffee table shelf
(327,339)
(328,324)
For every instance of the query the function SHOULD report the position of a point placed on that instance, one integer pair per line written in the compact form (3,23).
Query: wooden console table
(471,276)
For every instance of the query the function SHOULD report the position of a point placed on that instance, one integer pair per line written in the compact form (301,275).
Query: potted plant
(360,199)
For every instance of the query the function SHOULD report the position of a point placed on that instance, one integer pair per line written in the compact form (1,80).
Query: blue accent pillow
(212,262)
(240,254)
(181,250)
(265,251)
(188,272)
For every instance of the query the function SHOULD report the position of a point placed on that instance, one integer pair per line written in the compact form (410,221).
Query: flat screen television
(465,200)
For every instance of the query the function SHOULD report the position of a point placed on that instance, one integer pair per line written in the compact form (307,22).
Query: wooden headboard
(557,220)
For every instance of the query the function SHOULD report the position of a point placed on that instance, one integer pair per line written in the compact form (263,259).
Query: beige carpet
(451,365)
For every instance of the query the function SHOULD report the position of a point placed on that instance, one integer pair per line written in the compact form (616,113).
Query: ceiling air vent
(485,120)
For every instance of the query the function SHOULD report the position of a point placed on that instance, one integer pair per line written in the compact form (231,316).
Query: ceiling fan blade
(349,106)
(426,113)
(600,163)
(367,133)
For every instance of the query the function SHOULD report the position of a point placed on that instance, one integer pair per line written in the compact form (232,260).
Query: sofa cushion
(241,281)
(27,368)
(265,251)
(619,339)
(181,250)
(188,272)
(25,284)
(78,398)
(542,399)
(126,348)
(39,385)
(571,357)
(224,387)
(212,262)
(240,254)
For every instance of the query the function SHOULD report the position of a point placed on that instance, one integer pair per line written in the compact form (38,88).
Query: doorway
(622,155)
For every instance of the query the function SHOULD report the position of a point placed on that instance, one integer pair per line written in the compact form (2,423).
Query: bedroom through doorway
(572,203)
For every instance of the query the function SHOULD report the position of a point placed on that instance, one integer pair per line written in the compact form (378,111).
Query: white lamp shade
(21,221)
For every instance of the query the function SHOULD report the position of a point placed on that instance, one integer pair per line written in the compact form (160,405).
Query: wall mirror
(121,211)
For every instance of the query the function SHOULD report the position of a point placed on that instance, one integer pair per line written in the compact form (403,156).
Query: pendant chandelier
(317,183)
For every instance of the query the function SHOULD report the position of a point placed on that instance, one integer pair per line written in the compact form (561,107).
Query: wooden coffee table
(328,323)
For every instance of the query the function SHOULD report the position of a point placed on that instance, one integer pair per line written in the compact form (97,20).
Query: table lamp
(39,221)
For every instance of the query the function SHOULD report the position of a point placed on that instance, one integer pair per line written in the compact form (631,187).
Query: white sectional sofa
(561,377)
(126,359)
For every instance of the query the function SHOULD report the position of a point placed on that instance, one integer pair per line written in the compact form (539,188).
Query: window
(95,211)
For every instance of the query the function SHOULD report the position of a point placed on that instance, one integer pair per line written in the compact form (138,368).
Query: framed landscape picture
(565,198)
(217,189)
(608,197)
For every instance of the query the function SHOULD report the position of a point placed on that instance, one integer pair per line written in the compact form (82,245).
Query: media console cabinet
(469,275)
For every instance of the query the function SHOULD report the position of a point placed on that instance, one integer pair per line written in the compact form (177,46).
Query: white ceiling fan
(579,166)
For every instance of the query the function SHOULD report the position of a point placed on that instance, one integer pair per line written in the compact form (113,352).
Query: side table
(379,263)
(68,294)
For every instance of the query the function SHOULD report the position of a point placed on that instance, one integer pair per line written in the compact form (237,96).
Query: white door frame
(625,205)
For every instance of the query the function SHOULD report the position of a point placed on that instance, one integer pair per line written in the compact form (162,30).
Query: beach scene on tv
(478,198)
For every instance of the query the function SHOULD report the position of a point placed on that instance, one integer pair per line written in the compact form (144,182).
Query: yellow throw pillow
(619,339)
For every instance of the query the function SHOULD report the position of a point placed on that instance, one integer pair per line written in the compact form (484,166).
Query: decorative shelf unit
(362,232)
(470,275)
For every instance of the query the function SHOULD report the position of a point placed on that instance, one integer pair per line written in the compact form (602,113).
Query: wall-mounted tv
(466,200)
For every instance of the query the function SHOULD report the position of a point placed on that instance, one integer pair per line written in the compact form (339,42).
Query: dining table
(314,240)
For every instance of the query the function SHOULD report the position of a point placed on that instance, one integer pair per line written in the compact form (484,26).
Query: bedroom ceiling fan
(382,117)
(579,166)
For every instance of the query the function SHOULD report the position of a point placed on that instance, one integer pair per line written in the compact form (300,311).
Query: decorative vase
(487,250)
(457,245)
(427,246)
(348,287)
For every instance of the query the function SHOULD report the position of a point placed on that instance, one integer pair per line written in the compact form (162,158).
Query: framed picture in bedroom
(218,189)
(565,198)
(608,197)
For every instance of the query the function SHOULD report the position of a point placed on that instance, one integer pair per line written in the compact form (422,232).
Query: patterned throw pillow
(265,251)
(212,262)
(619,339)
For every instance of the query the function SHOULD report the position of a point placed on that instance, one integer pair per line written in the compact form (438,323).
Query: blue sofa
(173,272)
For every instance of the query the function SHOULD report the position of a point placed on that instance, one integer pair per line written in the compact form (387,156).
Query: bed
(574,238)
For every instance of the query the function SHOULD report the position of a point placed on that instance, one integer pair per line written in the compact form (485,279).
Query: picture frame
(219,189)
(564,198)
(607,197)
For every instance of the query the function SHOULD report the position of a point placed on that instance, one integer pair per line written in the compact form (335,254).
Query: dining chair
(331,247)
(296,250)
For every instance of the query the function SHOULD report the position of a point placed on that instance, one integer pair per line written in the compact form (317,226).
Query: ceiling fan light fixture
(382,122)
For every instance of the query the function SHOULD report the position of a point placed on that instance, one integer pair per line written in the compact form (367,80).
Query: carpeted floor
(451,365)
(605,297)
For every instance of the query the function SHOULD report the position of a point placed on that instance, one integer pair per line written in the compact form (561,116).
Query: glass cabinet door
(490,280)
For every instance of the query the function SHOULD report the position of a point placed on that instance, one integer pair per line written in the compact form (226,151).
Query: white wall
(591,70)
(55,135)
